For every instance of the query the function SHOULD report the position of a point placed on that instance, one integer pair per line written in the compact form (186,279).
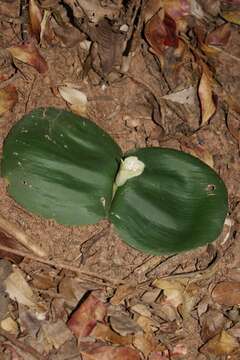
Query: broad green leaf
(176,204)
(61,166)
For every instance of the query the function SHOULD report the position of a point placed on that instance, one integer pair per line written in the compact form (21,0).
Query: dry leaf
(85,318)
(10,325)
(146,343)
(76,99)
(221,344)
(54,335)
(160,32)
(19,290)
(201,153)
(227,293)
(104,352)
(8,98)
(185,96)
(219,36)
(123,324)
(212,323)
(103,332)
(122,293)
(147,324)
(35,16)
(71,290)
(232,16)
(29,54)
(205,93)
(142,310)
(173,291)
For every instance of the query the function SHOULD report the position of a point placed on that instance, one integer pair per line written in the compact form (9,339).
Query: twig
(75,269)
(22,346)
(21,237)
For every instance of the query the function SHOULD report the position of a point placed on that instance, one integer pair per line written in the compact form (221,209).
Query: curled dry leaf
(8,98)
(85,318)
(123,292)
(205,93)
(76,99)
(160,32)
(221,344)
(219,36)
(35,16)
(19,290)
(227,293)
(29,54)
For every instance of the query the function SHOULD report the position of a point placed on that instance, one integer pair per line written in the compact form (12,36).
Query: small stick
(21,237)
(60,265)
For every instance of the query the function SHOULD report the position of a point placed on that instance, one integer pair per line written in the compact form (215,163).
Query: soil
(129,105)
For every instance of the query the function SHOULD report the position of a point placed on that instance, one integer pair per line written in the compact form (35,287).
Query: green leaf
(61,166)
(176,204)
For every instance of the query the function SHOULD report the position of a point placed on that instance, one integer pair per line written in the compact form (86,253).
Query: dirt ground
(183,306)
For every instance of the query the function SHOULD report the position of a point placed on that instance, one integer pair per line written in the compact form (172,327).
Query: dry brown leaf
(54,335)
(71,290)
(85,318)
(141,309)
(146,343)
(122,293)
(95,351)
(232,16)
(76,99)
(35,16)
(8,98)
(219,36)
(227,293)
(212,323)
(123,324)
(221,344)
(173,291)
(205,93)
(29,54)
(147,324)
(103,332)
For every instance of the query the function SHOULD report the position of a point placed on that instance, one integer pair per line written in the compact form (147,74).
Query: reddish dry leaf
(160,32)
(29,54)
(103,332)
(205,93)
(85,318)
(219,36)
(221,344)
(105,352)
(227,293)
(8,98)
(35,16)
